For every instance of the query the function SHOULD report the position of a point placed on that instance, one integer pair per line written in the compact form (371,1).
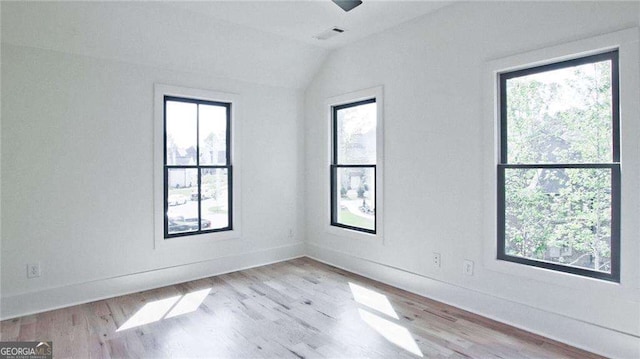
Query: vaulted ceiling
(264,42)
(302,20)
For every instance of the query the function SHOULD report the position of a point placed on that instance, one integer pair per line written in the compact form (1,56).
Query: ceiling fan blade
(347,5)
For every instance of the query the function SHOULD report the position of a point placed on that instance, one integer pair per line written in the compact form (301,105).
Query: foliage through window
(197,167)
(559,170)
(353,166)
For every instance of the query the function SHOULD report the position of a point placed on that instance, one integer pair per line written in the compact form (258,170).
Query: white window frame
(626,41)
(377,93)
(160,91)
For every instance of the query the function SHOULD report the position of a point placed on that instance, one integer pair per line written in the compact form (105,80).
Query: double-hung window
(559,166)
(354,158)
(198,196)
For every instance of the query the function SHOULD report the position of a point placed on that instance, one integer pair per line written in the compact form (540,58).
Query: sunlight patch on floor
(151,312)
(166,308)
(189,303)
(373,300)
(393,332)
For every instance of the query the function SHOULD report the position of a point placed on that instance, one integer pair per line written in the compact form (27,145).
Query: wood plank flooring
(295,309)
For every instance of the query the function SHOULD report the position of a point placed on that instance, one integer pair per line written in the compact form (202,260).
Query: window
(353,165)
(559,166)
(197,166)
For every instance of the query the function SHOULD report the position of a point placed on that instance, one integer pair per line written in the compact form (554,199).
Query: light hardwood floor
(295,309)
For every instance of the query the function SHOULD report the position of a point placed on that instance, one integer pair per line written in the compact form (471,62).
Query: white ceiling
(303,19)
(153,34)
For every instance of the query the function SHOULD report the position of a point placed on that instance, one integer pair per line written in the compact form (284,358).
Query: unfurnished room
(320,179)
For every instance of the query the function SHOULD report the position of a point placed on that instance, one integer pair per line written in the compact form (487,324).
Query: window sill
(196,240)
(353,234)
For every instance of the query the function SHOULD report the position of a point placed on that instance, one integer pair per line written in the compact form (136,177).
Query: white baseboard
(55,298)
(577,333)
(574,332)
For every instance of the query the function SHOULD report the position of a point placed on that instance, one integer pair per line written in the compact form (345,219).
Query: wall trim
(567,330)
(61,297)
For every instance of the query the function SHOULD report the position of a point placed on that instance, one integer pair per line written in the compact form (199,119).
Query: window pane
(183,212)
(559,215)
(213,135)
(561,116)
(356,134)
(215,198)
(181,130)
(355,197)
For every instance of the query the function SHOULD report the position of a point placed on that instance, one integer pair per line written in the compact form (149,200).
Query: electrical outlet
(467,267)
(33,270)
(436,260)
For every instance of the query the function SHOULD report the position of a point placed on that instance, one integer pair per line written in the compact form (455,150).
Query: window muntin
(559,170)
(197,167)
(353,166)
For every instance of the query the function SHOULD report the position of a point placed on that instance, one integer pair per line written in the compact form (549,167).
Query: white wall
(432,73)
(77,160)
(76,154)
